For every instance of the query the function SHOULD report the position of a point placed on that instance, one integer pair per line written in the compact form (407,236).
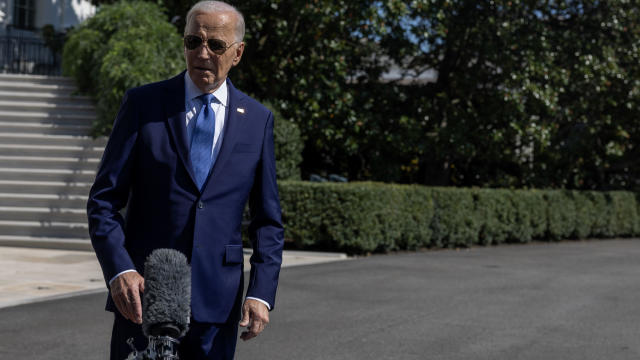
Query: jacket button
(200,205)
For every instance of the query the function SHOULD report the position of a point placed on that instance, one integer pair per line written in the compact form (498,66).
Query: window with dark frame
(24,14)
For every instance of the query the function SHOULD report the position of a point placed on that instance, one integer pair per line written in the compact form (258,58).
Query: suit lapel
(233,127)
(175,110)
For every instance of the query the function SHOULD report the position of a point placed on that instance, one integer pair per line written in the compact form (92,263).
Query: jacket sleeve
(265,231)
(110,192)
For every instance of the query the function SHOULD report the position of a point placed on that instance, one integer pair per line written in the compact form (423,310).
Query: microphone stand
(159,348)
(163,343)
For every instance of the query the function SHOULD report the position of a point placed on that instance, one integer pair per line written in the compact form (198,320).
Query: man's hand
(255,316)
(125,291)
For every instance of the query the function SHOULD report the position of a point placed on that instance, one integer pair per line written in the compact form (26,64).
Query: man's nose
(203,52)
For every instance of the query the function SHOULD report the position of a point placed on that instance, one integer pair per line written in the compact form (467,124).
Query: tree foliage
(529,93)
(308,55)
(124,45)
(288,146)
(511,93)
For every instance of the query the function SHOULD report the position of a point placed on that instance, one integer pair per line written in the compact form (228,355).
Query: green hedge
(373,217)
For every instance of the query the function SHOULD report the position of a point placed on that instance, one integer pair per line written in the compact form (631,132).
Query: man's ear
(238,54)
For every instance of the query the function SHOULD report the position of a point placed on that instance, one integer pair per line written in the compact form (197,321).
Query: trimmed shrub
(561,212)
(497,214)
(585,216)
(531,215)
(625,212)
(455,222)
(602,225)
(315,216)
(414,213)
(636,230)
(374,217)
(356,217)
(126,44)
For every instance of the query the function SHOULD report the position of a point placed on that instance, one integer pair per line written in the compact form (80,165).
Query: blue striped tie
(202,140)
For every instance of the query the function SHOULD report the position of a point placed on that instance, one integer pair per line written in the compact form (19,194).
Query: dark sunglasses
(192,42)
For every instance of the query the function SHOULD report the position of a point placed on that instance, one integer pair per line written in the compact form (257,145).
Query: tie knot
(206,99)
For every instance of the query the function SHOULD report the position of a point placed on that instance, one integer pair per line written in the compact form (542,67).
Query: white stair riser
(62,107)
(54,152)
(48,96)
(42,163)
(46,242)
(60,189)
(53,215)
(37,79)
(39,202)
(38,139)
(45,229)
(57,122)
(45,129)
(43,176)
(37,86)
(36,116)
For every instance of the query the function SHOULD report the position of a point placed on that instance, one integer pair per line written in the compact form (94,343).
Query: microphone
(165,304)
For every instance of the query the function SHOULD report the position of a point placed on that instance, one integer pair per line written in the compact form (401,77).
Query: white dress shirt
(193,106)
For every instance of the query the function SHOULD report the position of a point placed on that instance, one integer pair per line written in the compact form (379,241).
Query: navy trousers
(203,341)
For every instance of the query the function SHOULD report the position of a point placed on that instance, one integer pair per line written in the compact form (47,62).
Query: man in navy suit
(184,157)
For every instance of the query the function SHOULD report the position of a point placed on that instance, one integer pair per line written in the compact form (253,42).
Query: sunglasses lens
(191,42)
(216,45)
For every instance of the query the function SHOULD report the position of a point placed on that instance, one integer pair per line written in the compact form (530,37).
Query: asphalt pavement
(543,301)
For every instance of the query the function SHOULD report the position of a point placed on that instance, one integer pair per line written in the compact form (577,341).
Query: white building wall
(47,13)
(62,14)
(5,13)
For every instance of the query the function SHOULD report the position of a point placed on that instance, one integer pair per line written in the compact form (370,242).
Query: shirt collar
(192,91)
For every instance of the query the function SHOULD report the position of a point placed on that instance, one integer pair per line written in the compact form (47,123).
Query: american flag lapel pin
(240,110)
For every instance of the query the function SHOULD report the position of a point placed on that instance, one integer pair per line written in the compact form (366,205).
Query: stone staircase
(47,162)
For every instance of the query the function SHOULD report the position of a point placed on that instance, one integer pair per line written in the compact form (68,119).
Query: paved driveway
(572,300)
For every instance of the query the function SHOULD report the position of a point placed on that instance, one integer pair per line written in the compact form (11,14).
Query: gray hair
(209,6)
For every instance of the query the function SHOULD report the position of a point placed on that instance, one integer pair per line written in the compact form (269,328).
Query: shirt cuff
(260,300)
(118,274)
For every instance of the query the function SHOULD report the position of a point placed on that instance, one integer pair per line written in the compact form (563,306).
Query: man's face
(207,69)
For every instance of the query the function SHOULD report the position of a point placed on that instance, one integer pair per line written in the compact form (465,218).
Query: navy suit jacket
(146,167)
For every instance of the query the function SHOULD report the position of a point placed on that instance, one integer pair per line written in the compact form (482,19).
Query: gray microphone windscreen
(167,294)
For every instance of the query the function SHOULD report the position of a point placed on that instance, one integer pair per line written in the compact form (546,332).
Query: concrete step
(36,116)
(39,162)
(32,83)
(37,79)
(45,228)
(47,162)
(44,200)
(60,90)
(51,128)
(48,106)
(44,242)
(45,187)
(49,96)
(62,175)
(41,139)
(43,214)
(83,152)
